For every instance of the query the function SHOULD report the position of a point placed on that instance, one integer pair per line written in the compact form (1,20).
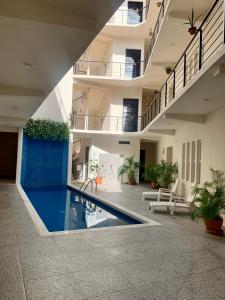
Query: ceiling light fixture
(27,65)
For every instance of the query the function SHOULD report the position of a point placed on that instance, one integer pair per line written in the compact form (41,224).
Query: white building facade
(147,87)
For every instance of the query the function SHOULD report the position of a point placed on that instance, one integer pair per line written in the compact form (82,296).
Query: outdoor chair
(174,202)
(161,193)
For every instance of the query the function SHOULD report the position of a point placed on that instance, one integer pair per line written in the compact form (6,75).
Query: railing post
(86,122)
(163,8)
(116,123)
(200,49)
(174,83)
(185,67)
(166,95)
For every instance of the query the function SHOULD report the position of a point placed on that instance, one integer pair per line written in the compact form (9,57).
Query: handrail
(172,80)
(87,181)
(151,44)
(198,51)
(155,31)
(121,16)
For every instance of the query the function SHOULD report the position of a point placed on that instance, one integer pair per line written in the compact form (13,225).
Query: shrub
(43,129)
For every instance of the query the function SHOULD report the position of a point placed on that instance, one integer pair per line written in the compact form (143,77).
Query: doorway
(142,166)
(148,150)
(135,12)
(8,155)
(133,61)
(130,115)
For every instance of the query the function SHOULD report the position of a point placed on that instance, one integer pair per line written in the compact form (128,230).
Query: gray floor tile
(7,240)
(38,250)
(10,270)
(86,260)
(52,288)
(45,267)
(207,285)
(68,245)
(156,268)
(101,281)
(12,291)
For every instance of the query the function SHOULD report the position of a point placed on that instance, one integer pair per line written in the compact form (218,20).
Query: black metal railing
(207,40)
(129,16)
(108,123)
(109,69)
(156,30)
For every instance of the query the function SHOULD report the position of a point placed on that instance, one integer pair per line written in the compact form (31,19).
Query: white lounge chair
(174,202)
(161,193)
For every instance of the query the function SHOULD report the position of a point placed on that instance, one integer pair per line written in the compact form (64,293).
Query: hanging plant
(42,129)
(191,22)
(168,70)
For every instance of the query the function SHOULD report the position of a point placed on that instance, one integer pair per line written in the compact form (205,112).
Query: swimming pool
(67,209)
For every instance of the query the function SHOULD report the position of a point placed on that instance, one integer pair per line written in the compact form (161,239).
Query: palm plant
(152,174)
(167,171)
(191,22)
(209,199)
(129,167)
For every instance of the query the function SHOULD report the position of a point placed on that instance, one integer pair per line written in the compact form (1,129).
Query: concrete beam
(163,131)
(186,118)
(182,16)
(19,91)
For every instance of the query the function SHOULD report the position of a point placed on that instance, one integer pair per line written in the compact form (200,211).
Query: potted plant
(167,172)
(168,70)
(129,167)
(152,174)
(191,22)
(94,169)
(209,202)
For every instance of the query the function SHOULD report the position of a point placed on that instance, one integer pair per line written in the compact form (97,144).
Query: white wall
(110,145)
(212,137)
(57,106)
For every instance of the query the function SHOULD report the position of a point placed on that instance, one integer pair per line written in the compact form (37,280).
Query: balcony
(208,40)
(118,124)
(109,69)
(122,70)
(205,50)
(129,16)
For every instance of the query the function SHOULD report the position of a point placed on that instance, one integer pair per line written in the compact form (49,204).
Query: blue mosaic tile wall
(44,164)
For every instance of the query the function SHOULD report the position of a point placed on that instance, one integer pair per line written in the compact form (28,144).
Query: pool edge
(43,231)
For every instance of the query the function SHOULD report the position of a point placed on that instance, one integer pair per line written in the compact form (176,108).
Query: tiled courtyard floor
(174,261)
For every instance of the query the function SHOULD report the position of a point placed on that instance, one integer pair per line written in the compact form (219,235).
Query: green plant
(167,171)
(47,130)
(129,167)
(152,173)
(94,167)
(209,199)
(192,20)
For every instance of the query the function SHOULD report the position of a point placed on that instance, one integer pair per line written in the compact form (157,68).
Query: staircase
(78,105)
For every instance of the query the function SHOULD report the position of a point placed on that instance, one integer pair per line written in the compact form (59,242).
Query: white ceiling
(40,41)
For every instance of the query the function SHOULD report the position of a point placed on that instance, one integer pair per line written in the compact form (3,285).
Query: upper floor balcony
(131,16)
(195,77)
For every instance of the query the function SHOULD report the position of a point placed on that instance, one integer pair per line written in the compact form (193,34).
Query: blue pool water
(65,209)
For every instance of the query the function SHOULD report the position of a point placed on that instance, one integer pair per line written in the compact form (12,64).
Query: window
(183,161)
(188,162)
(191,161)
(198,163)
(193,150)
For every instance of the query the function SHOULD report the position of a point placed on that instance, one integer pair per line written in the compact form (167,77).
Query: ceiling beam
(48,12)
(19,91)
(185,117)
(162,131)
